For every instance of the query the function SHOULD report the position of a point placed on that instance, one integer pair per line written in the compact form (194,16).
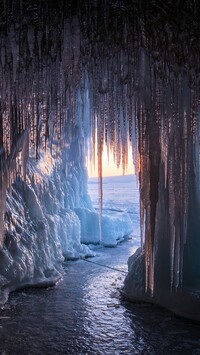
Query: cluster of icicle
(54,60)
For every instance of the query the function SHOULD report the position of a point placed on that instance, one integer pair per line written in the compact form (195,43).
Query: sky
(109,166)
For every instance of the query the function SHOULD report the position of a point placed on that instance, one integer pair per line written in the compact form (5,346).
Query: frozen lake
(120,194)
(85,314)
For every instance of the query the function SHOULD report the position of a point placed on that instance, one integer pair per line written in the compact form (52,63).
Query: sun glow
(109,166)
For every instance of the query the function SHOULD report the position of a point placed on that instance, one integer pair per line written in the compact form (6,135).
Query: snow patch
(114,227)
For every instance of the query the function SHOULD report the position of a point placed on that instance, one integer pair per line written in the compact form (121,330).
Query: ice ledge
(184,303)
(38,282)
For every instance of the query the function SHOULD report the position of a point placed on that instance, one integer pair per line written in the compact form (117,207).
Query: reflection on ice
(85,314)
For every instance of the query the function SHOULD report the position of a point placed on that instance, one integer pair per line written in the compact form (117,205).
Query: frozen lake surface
(120,194)
(85,313)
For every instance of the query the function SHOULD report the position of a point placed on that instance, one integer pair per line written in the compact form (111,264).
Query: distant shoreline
(112,176)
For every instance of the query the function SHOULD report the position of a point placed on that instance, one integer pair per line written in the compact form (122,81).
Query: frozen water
(84,314)
(120,206)
(41,226)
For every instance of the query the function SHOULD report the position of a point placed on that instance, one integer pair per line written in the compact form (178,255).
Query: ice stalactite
(100,186)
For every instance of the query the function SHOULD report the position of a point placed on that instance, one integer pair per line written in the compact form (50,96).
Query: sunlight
(109,167)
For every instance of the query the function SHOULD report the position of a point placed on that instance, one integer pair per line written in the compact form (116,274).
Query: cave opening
(74,75)
(120,198)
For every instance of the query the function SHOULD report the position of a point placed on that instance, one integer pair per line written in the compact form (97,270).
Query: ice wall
(48,218)
(41,227)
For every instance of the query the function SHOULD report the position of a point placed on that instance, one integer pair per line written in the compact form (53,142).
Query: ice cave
(75,75)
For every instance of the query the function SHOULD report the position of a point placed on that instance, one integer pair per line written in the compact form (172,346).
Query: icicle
(25,154)
(100,189)
(142,223)
(30,37)
(15,50)
(3,187)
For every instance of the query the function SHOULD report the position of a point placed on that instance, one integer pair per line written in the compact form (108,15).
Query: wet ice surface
(84,314)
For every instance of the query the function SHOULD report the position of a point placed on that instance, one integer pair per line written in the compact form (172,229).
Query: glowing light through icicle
(109,166)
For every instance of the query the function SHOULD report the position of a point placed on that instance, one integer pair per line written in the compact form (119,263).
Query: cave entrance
(120,203)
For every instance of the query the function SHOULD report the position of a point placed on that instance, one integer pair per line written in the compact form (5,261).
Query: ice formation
(128,70)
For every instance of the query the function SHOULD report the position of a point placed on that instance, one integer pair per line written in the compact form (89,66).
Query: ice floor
(85,314)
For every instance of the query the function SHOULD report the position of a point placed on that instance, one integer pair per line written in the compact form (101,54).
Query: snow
(115,226)
(120,208)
